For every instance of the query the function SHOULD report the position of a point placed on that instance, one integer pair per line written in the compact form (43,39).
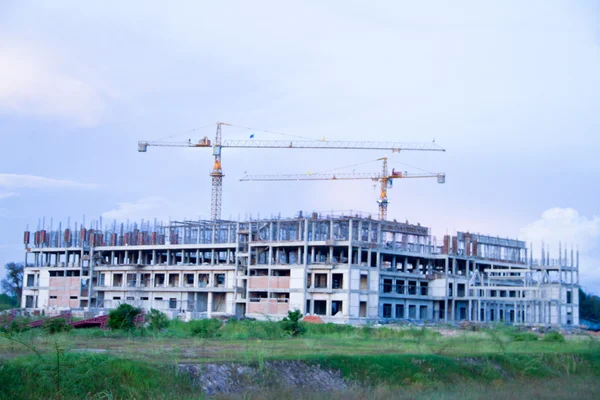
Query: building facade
(345,268)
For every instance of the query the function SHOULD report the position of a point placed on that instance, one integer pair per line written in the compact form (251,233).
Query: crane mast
(218,144)
(216,194)
(383,200)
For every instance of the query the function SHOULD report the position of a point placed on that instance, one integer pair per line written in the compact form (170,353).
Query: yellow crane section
(384,178)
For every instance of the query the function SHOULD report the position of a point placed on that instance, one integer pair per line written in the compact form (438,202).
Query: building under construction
(344,268)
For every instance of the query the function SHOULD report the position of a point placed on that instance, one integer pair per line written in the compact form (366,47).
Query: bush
(553,337)
(524,337)
(247,329)
(205,328)
(157,320)
(123,317)
(56,325)
(291,323)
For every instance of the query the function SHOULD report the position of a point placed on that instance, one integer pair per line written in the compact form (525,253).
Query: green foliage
(247,329)
(553,336)
(84,376)
(123,317)
(524,337)
(12,285)
(7,302)
(589,306)
(291,323)
(205,328)
(157,320)
(56,325)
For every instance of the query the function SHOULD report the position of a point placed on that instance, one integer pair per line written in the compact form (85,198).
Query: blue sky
(511,90)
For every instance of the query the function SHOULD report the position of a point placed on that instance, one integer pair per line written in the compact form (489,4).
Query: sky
(510,89)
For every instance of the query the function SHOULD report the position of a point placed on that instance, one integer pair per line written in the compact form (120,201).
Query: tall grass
(92,376)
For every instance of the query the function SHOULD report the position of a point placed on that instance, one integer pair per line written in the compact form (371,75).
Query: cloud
(33,82)
(14,181)
(566,225)
(150,208)
(8,195)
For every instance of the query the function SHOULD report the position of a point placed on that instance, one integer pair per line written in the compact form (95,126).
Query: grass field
(499,362)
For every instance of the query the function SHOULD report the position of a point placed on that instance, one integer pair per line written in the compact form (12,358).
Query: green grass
(136,363)
(384,376)
(90,376)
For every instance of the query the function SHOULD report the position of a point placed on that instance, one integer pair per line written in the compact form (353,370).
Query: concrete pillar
(446,297)
(469,312)
(209,305)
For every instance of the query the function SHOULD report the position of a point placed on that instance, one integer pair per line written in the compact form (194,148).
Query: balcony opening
(172,303)
(159,280)
(387,286)
(281,297)
(337,281)
(320,307)
(412,312)
(118,280)
(219,303)
(424,289)
(308,280)
(145,281)
(320,281)
(220,280)
(412,287)
(387,311)
(336,307)
(259,272)
(188,279)
(203,280)
(362,309)
(400,288)
(399,310)
(423,312)
(364,282)
(131,280)
(30,280)
(173,280)
(258,296)
(281,272)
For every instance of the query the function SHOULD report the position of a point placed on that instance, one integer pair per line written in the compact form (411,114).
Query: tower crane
(384,178)
(217,171)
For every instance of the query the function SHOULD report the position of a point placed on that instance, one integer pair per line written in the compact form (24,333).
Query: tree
(123,317)
(589,306)
(291,323)
(12,285)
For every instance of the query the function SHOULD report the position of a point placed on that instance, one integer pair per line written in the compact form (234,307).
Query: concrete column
(209,304)
(446,297)
(469,311)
